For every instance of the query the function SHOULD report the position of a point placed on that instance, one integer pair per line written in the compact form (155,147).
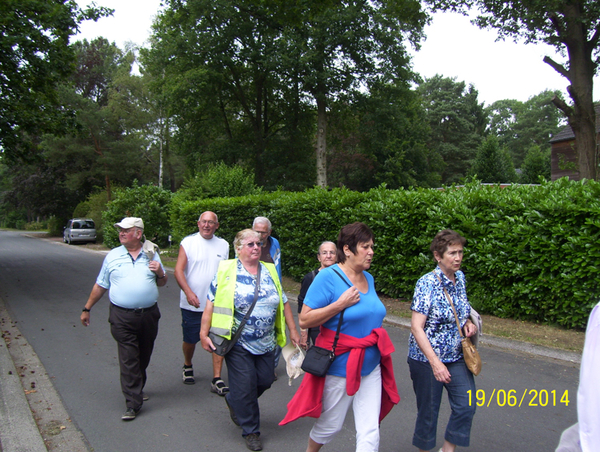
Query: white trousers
(366,404)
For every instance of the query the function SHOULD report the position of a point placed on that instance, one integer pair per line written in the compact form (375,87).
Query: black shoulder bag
(222,344)
(318,359)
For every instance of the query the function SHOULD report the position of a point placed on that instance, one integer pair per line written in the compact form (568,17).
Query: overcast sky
(454,48)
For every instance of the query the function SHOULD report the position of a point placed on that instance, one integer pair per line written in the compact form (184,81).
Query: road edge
(33,417)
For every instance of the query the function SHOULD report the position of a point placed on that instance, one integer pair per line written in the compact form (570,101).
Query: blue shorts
(190,322)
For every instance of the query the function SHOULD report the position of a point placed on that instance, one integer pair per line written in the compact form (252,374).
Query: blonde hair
(243,235)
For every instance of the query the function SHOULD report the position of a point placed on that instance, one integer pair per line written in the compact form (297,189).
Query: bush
(220,181)
(96,205)
(15,219)
(35,226)
(82,209)
(149,202)
(55,227)
(532,251)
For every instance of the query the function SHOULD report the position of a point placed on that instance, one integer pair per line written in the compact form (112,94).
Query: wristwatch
(85,310)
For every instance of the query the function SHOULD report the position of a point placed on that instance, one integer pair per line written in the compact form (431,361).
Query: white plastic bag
(293,356)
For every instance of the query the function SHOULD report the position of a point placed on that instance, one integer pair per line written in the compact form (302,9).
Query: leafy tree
(572,27)
(109,145)
(149,202)
(40,190)
(158,131)
(521,125)
(380,137)
(535,165)
(333,62)
(457,121)
(34,57)
(493,163)
(222,67)
(240,76)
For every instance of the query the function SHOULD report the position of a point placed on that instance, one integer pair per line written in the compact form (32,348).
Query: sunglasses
(253,244)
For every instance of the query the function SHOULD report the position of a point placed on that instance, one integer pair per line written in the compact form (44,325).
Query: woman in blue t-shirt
(435,355)
(350,290)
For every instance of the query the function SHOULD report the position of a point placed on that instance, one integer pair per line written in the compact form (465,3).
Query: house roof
(566,134)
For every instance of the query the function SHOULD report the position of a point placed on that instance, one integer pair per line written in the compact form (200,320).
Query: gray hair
(243,235)
(326,242)
(208,211)
(261,220)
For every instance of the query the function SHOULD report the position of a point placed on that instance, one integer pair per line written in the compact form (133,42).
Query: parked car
(79,230)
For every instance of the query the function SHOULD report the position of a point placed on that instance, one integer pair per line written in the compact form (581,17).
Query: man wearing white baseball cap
(132,279)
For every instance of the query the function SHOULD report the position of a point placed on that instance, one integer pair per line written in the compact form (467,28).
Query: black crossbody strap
(247,316)
(337,332)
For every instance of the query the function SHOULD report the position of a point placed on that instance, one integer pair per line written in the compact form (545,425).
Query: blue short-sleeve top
(359,320)
(440,328)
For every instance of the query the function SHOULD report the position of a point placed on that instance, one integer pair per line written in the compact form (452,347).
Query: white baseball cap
(130,222)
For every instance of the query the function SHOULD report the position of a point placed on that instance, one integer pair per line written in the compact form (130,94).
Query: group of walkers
(338,304)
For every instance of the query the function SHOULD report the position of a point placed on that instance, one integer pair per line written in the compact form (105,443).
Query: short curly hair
(444,239)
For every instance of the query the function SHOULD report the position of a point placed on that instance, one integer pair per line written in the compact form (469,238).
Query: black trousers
(135,332)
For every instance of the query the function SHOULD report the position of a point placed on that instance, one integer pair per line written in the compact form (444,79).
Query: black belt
(135,310)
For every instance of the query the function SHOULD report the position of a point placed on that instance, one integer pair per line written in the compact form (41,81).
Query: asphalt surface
(66,377)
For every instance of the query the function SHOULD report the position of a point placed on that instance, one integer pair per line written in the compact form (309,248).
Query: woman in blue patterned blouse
(435,355)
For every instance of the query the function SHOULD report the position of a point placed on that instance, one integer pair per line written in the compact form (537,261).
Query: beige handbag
(470,353)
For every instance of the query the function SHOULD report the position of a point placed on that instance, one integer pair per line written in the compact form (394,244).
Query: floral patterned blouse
(440,326)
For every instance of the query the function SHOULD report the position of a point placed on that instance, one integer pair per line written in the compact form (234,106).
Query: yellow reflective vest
(222,318)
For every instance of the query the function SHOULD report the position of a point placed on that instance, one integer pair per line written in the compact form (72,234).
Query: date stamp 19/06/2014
(510,397)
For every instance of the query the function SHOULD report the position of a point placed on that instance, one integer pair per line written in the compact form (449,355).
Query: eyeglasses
(261,232)
(208,222)
(253,244)
(330,253)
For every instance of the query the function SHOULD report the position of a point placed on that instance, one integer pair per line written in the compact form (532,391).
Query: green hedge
(532,251)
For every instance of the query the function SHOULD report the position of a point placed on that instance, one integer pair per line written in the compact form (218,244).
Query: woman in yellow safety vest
(251,361)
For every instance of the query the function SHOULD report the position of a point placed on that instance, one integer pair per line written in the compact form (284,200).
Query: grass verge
(520,330)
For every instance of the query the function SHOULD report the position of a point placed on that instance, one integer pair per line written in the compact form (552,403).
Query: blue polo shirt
(131,284)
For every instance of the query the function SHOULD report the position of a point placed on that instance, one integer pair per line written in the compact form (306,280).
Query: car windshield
(87,224)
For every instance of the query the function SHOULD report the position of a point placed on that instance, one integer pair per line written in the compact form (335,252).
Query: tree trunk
(584,128)
(160,164)
(98,150)
(581,116)
(321,143)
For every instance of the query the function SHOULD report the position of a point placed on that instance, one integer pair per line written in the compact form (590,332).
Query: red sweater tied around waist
(308,400)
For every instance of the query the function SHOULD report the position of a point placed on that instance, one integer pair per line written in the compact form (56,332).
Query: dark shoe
(232,414)
(188,375)
(253,442)
(145,397)
(219,387)
(130,414)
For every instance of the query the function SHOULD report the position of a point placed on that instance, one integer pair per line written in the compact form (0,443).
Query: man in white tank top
(197,263)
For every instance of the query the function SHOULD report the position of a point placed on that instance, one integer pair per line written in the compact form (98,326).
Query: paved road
(44,285)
